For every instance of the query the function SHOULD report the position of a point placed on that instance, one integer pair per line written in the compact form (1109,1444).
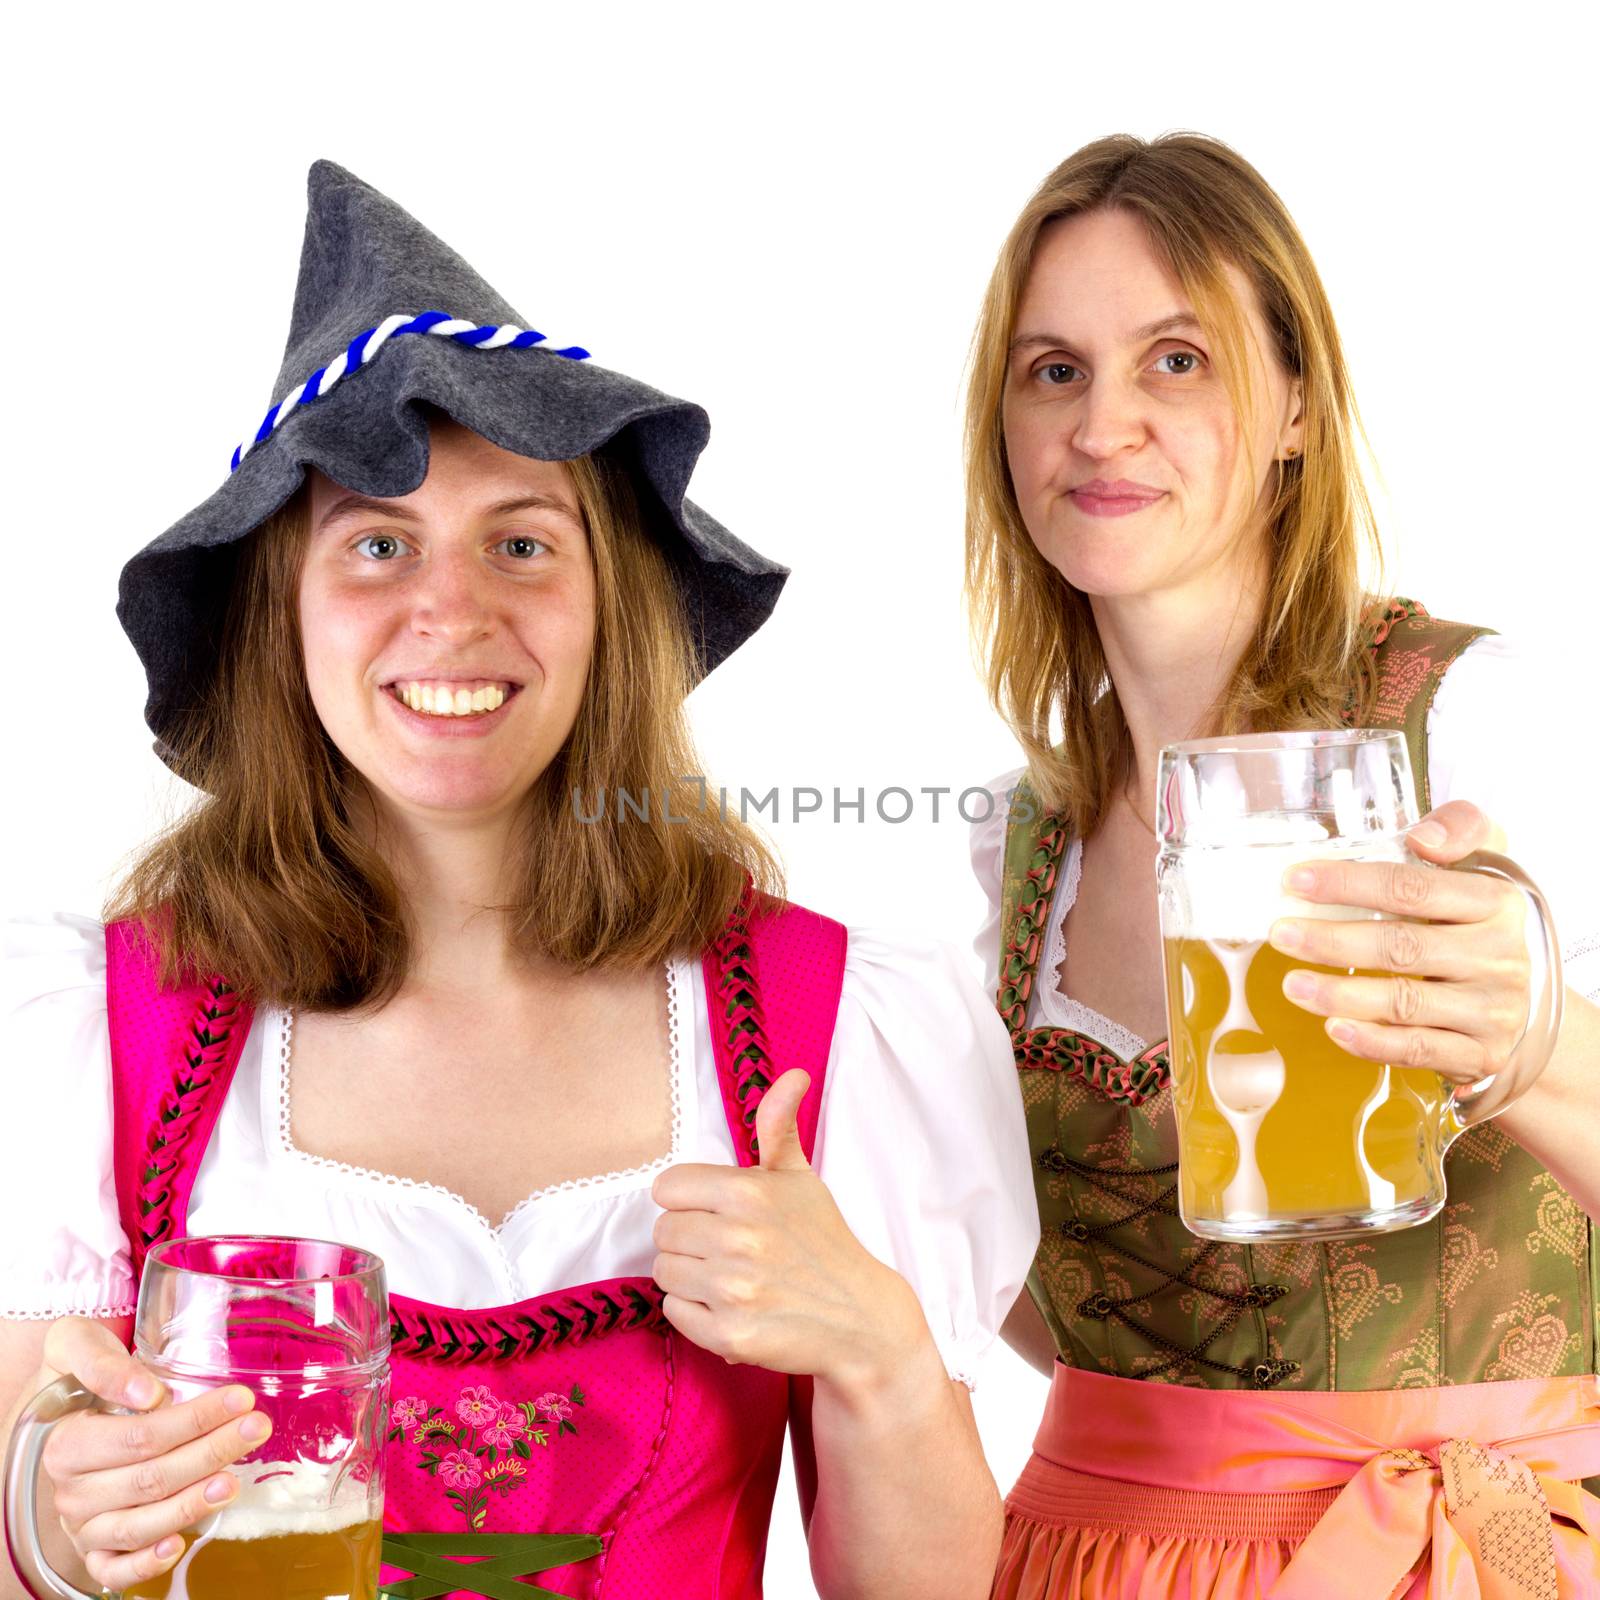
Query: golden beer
(317,1564)
(1276,1120)
(295,1532)
(1281,1133)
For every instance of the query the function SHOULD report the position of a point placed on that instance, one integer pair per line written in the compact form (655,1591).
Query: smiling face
(448,633)
(1129,467)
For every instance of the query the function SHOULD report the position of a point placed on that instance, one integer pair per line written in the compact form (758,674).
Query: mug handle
(1479,1101)
(34,1423)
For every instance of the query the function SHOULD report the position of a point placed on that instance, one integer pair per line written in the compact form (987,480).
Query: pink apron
(575,1439)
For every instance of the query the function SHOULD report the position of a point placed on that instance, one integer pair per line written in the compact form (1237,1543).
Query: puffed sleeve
(62,1248)
(922,1139)
(1500,735)
(988,845)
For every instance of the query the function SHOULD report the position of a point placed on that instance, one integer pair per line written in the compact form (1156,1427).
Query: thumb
(777,1124)
(1451,832)
(96,1357)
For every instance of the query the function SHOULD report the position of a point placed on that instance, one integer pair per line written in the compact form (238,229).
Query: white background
(789,216)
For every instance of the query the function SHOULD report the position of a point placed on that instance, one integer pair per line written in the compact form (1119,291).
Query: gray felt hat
(387,318)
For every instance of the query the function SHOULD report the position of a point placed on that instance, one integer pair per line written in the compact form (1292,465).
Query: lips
(1099,498)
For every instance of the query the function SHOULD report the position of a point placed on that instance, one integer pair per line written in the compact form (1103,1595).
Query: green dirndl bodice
(1500,1285)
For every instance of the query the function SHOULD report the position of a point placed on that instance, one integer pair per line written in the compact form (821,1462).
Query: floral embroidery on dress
(485,1449)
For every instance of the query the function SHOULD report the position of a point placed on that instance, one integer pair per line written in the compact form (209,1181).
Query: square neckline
(276,1113)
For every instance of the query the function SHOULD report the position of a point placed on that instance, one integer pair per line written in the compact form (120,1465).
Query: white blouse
(921,1141)
(1499,735)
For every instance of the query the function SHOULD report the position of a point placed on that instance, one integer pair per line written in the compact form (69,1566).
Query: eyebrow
(350,505)
(1179,319)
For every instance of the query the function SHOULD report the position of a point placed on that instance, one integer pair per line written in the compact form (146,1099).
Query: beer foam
(284,1497)
(1236,893)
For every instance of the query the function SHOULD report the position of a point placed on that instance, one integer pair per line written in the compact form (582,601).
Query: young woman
(623,1124)
(1164,531)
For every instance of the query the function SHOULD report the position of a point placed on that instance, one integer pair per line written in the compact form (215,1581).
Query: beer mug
(305,1324)
(1281,1133)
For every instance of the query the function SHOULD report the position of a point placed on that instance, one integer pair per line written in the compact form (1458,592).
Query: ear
(1291,436)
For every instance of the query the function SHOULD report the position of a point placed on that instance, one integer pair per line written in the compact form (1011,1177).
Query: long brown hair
(1204,207)
(267,880)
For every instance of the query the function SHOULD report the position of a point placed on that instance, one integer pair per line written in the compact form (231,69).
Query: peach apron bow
(1484,1511)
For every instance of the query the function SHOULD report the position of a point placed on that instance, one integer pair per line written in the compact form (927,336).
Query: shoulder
(918,1036)
(52,1012)
(1502,736)
(52,963)
(55,1088)
(893,980)
(1496,702)
(1493,670)
(987,838)
(893,969)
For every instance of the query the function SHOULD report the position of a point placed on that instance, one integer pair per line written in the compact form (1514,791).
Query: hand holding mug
(126,1485)
(1457,979)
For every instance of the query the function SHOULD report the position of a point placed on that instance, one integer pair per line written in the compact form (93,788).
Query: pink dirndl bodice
(620,1459)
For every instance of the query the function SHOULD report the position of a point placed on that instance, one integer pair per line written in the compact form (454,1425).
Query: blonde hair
(267,882)
(1203,207)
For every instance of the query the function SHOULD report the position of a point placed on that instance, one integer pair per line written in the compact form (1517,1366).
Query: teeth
(447,700)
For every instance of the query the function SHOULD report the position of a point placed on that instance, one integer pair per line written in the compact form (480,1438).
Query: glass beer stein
(1281,1133)
(305,1324)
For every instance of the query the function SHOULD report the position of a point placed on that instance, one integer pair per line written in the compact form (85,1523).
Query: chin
(1104,573)
(461,792)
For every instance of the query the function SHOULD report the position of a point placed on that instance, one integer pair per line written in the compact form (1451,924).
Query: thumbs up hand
(760,1267)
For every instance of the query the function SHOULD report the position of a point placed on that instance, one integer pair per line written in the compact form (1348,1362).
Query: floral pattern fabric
(482,1445)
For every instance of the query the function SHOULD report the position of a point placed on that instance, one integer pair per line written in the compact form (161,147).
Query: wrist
(891,1363)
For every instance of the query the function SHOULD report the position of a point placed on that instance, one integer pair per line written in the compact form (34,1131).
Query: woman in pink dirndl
(661,1165)
(1165,522)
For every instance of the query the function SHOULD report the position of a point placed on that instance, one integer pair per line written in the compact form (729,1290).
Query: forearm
(1558,1120)
(906,1504)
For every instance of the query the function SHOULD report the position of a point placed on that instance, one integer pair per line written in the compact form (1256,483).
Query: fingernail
(169,1547)
(1300,878)
(1299,986)
(237,1401)
(1429,833)
(143,1390)
(1342,1031)
(1287,936)
(218,1490)
(255,1428)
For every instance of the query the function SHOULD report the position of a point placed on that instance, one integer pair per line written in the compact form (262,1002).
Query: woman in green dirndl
(1164,542)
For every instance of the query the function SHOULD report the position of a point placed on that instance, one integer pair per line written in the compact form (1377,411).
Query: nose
(452,603)
(1110,419)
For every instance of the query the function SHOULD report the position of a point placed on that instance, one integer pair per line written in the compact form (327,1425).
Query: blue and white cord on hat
(362,348)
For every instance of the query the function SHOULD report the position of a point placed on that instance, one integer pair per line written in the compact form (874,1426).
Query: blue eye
(522,545)
(382,546)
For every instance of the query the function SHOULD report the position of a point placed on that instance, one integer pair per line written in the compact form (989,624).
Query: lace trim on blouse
(67,1311)
(627,1177)
(1056,1009)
